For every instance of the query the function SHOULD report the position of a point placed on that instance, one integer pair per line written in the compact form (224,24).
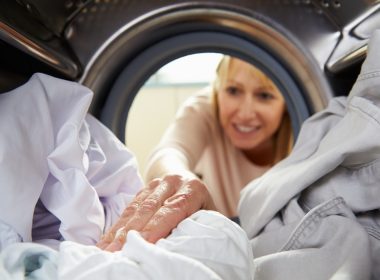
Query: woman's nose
(247,108)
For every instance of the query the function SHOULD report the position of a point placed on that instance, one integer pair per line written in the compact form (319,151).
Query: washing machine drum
(135,54)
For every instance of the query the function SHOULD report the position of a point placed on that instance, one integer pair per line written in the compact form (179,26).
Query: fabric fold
(316,214)
(65,175)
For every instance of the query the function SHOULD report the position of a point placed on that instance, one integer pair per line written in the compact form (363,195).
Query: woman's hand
(158,209)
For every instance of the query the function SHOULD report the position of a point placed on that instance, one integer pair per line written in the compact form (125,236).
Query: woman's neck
(262,155)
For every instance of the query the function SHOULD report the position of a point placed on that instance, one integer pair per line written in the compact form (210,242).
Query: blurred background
(156,104)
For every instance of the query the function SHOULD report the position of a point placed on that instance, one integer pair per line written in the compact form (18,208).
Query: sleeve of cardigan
(186,138)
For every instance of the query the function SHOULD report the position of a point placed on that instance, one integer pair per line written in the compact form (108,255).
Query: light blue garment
(315,215)
(28,261)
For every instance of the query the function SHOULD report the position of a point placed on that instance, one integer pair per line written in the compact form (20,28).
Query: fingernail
(114,246)
(145,235)
(121,235)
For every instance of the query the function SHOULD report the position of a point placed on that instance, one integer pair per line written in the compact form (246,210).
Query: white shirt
(56,156)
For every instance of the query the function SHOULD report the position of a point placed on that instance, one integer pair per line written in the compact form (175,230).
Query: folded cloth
(205,246)
(315,215)
(64,175)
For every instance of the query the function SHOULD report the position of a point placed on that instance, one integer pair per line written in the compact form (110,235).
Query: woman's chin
(244,144)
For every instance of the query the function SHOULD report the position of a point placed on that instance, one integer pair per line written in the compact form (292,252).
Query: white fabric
(316,214)
(53,153)
(205,246)
(76,178)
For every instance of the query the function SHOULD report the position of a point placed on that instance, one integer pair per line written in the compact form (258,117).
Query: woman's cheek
(223,116)
(277,114)
(224,105)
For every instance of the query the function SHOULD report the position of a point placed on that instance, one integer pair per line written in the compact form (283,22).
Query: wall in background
(157,102)
(152,111)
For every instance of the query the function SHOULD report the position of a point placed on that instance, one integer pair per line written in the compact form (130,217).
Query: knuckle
(180,201)
(142,193)
(149,205)
(154,183)
(166,185)
(130,209)
(133,206)
(169,187)
(197,186)
(173,180)
(145,192)
(165,219)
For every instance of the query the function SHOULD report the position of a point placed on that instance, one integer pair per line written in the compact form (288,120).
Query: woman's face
(250,106)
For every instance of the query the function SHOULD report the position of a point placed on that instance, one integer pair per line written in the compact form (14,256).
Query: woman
(225,137)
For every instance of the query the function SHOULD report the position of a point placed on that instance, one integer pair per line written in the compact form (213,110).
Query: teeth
(245,129)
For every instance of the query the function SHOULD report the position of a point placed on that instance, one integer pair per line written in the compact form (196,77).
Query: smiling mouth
(245,128)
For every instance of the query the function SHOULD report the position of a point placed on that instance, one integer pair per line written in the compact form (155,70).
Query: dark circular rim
(138,71)
(130,42)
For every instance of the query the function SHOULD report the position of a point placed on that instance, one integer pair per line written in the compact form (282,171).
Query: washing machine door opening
(159,100)
(139,70)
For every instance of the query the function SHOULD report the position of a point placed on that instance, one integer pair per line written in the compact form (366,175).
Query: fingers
(148,206)
(109,237)
(158,209)
(174,210)
(138,213)
(191,197)
(118,241)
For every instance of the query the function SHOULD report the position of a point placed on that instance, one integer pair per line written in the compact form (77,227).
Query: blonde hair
(284,135)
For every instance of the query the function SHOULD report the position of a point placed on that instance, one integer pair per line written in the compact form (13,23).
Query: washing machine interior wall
(306,23)
(93,42)
(31,40)
(82,26)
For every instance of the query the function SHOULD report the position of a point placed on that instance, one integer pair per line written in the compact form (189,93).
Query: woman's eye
(265,95)
(232,90)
